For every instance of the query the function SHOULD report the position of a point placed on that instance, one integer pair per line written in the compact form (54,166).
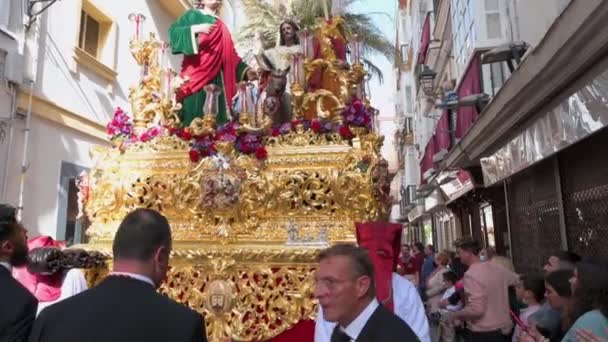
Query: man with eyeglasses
(18,308)
(382,241)
(344,286)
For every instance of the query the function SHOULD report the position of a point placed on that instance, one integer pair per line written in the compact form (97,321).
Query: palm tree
(265,16)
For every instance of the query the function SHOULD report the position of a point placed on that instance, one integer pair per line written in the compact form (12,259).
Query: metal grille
(534,215)
(584,173)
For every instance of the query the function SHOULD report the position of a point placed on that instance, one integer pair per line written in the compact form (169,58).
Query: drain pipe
(11,134)
(24,157)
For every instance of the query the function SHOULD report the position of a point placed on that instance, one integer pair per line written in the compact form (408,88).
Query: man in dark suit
(125,306)
(346,292)
(18,308)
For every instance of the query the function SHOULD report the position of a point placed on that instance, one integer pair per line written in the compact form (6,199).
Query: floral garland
(357,114)
(121,132)
(316,125)
(205,145)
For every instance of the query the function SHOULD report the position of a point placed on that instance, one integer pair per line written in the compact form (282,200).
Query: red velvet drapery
(425,40)
(442,139)
(303,331)
(470,85)
(426,164)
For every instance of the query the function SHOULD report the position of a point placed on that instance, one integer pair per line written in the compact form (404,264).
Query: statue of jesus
(209,58)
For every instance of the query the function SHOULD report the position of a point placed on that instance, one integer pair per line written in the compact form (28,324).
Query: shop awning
(425,40)
(460,184)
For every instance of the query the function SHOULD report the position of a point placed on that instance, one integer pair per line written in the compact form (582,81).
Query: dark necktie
(339,336)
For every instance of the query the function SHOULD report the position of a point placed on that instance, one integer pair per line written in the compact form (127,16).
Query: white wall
(73,86)
(58,79)
(50,144)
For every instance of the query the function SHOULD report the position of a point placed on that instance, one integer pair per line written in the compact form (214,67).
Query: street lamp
(427,77)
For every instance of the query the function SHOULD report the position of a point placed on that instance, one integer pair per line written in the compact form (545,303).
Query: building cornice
(51,111)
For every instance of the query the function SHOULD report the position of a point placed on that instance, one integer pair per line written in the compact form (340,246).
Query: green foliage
(265,16)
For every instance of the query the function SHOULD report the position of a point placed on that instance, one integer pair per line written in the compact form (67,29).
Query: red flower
(195,155)
(186,135)
(295,122)
(276,132)
(316,126)
(245,148)
(261,153)
(345,132)
(357,104)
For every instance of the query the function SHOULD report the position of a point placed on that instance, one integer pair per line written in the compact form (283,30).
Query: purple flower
(285,128)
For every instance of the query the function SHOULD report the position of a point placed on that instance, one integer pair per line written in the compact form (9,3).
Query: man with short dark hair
(18,308)
(125,306)
(561,260)
(486,286)
(346,292)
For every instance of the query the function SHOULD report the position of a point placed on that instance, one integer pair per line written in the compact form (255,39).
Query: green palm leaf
(265,16)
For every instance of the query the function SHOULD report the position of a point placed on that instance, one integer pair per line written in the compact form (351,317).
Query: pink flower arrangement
(121,127)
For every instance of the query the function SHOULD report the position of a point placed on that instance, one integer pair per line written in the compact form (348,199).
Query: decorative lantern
(305,39)
(356,49)
(212,94)
(297,69)
(427,77)
(245,104)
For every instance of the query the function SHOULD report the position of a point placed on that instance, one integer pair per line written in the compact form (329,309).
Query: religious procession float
(256,176)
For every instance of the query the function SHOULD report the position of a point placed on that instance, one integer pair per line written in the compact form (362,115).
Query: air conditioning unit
(14,66)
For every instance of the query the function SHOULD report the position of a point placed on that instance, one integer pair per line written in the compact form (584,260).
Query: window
(494,77)
(404,53)
(5,10)
(408,125)
(408,100)
(2,63)
(96,44)
(89,39)
(487,222)
(70,227)
(493,24)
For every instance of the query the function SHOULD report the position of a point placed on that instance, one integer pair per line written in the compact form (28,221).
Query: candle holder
(306,49)
(356,48)
(297,69)
(206,125)
(137,21)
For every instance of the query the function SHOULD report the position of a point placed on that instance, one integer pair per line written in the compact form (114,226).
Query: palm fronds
(265,16)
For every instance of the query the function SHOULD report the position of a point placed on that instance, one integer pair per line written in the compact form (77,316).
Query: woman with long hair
(588,309)
(548,325)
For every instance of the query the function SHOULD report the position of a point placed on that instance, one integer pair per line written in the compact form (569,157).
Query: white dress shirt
(134,276)
(7,266)
(408,307)
(355,327)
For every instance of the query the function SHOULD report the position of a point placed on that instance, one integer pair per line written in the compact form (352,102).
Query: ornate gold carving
(147,104)
(246,292)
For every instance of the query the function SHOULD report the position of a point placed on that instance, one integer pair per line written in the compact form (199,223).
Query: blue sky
(382,94)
